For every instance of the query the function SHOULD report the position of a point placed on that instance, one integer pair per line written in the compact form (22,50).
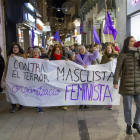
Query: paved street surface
(98,123)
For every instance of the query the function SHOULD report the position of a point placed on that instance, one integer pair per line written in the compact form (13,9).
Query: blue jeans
(127,103)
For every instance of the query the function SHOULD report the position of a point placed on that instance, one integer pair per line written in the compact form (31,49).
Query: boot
(128,130)
(13,110)
(86,107)
(57,107)
(81,107)
(136,126)
(20,107)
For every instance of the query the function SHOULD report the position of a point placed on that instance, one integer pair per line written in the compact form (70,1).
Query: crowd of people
(127,69)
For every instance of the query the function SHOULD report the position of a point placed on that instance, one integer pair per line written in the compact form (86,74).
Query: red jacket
(116,48)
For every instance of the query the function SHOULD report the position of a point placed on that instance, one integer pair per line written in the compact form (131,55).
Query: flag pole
(93,40)
(106,16)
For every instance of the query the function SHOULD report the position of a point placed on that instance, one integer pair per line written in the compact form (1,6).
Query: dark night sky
(58,4)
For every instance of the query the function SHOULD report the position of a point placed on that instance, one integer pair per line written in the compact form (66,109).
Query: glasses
(15,47)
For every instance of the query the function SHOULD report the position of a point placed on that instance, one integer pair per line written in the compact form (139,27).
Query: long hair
(29,49)
(55,47)
(113,44)
(11,49)
(125,48)
(105,51)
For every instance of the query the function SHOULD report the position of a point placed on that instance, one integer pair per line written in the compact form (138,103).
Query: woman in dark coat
(57,55)
(15,50)
(2,66)
(128,66)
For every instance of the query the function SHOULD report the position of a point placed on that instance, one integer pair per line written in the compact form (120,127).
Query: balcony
(87,5)
(82,3)
(110,4)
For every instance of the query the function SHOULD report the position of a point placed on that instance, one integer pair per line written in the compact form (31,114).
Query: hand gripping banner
(36,82)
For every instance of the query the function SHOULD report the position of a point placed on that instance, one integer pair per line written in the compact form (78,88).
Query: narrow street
(28,124)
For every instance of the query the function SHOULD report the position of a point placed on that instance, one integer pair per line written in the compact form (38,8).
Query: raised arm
(94,56)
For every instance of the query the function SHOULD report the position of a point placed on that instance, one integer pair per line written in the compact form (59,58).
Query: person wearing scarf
(57,55)
(15,50)
(129,69)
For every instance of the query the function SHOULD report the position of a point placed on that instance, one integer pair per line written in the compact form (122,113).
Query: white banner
(36,82)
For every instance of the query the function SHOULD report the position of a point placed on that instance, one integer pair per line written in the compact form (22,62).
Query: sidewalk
(64,125)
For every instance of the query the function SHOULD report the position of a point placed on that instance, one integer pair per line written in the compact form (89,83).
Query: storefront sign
(135,1)
(30,18)
(81,29)
(46,28)
(78,30)
(90,24)
(133,7)
(97,26)
(39,27)
(85,26)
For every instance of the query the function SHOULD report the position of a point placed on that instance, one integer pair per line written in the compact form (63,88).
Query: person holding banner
(108,55)
(15,50)
(72,57)
(36,54)
(57,55)
(85,58)
(128,66)
(43,53)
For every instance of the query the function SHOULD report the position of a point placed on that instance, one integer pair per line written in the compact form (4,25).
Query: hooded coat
(128,67)
(106,58)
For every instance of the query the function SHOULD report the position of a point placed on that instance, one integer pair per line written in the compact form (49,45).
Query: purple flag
(57,37)
(109,26)
(95,36)
(33,37)
(45,43)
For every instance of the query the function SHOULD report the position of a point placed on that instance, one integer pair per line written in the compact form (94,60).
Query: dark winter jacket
(43,56)
(106,59)
(128,66)
(2,64)
(53,58)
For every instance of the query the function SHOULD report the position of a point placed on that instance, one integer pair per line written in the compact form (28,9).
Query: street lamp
(58,9)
